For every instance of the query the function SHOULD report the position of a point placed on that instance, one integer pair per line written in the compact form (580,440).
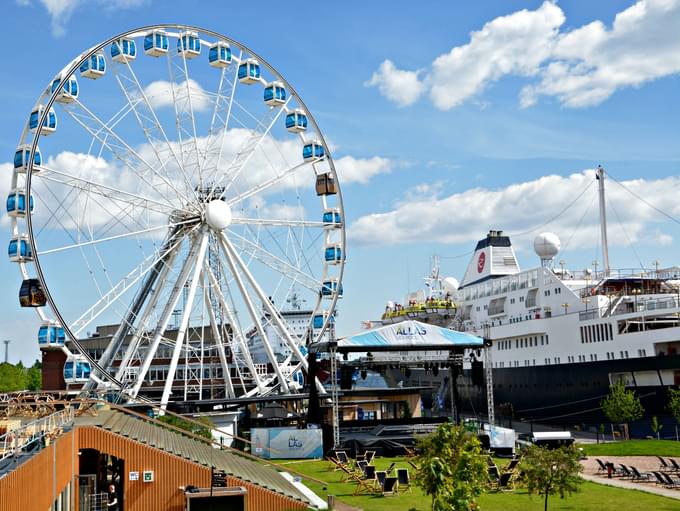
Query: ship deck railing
(430,306)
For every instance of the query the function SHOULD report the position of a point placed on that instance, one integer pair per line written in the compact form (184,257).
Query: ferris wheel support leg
(123,329)
(151,305)
(228,385)
(236,331)
(196,277)
(165,317)
(256,318)
(266,302)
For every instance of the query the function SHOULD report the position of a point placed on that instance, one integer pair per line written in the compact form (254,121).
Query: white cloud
(465,217)
(402,87)
(361,170)
(579,67)
(160,94)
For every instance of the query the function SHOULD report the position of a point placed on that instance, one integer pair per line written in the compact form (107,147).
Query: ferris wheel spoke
(278,321)
(184,323)
(219,345)
(261,187)
(256,318)
(120,149)
(167,312)
(119,289)
(275,263)
(237,332)
(151,126)
(277,222)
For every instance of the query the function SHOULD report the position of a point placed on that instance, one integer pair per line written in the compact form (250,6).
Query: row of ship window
(570,359)
(498,286)
(558,291)
(596,333)
(523,342)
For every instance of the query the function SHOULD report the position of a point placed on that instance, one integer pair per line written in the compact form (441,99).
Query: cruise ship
(559,337)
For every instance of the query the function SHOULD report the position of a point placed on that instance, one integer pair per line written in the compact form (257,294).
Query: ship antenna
(603,220)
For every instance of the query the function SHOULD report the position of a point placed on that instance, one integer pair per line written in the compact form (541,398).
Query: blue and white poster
(277,443)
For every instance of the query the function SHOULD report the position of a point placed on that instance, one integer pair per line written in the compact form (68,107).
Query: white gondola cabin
(124,50)
(219,54)
(22,158)
(49,124)
(296,121)
(156,43)
(76,369)
(333,254)
(51,335)
(19,249)
(94,67)
(16,203)
(274,94)
(189,45)
(249,71)
(330,287)
(325,184)
(31,294)
(331,218)
(319,319)
(313,151)
(69,91)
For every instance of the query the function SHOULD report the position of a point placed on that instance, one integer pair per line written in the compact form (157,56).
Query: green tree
(656,427)
(451,469)
(622,406)
(12,378)
(674,403)
(34,377)
(551,471)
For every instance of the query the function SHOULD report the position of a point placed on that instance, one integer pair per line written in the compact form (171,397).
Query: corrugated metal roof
(193,450)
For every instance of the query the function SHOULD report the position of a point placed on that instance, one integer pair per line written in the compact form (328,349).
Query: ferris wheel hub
(218,215)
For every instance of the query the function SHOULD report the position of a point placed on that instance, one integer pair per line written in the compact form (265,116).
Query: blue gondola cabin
(124,50)
(76,369)
(19,249)
(94,67)
(156,43)
(313,150)
(249,71)
(274,94)
(330,287)
(16,203)
(49,124)
(68,93)
(22,158)
(296,121)
(188,45)
(332,218)
(219,54)
(51,335)
(31,294)
(333,254)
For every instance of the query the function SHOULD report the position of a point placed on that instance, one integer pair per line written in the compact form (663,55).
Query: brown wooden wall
(35,483)
(32,486)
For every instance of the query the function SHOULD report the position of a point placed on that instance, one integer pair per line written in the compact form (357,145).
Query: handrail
(16,440)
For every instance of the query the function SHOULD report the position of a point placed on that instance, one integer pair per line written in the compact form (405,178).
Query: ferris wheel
(171,193)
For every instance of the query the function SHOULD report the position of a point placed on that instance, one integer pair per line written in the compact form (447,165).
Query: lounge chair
(380,476)
(663,466)
(625,472)
(670,482)
(674,465)
(602,467)
(390,468)
(389,486)
(659,478)
(639,476)
(404,479)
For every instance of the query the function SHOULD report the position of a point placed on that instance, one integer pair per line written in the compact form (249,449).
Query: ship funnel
(493,257)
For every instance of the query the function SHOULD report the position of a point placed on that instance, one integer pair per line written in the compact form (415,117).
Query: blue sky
(448,115)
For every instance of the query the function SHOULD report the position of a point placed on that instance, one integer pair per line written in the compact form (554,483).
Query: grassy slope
(592,496)
(634,448)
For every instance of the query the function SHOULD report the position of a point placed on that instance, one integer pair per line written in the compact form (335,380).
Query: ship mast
(603,220)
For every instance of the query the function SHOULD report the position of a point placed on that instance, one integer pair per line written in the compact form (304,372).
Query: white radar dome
(451,285)
(546,245)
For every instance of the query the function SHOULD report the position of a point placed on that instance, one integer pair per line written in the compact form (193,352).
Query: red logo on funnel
(480,262)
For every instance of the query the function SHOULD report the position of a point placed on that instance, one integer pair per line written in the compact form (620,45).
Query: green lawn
(592,496)
(634,448)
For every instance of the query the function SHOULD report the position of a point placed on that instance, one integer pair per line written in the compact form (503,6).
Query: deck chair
(403,479)
(361,465)
(639,476)
(389,486)
(494,474)
(380,476)
(602,468)
(659,478)
(360,457)
(370,456)
(369,472)
(342,457)
(670,482)
(674,465)
(390,468)
(415,467)
(625,472)
(363,486)
(665,467)
(512,465)
(505,480)
(347,474)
